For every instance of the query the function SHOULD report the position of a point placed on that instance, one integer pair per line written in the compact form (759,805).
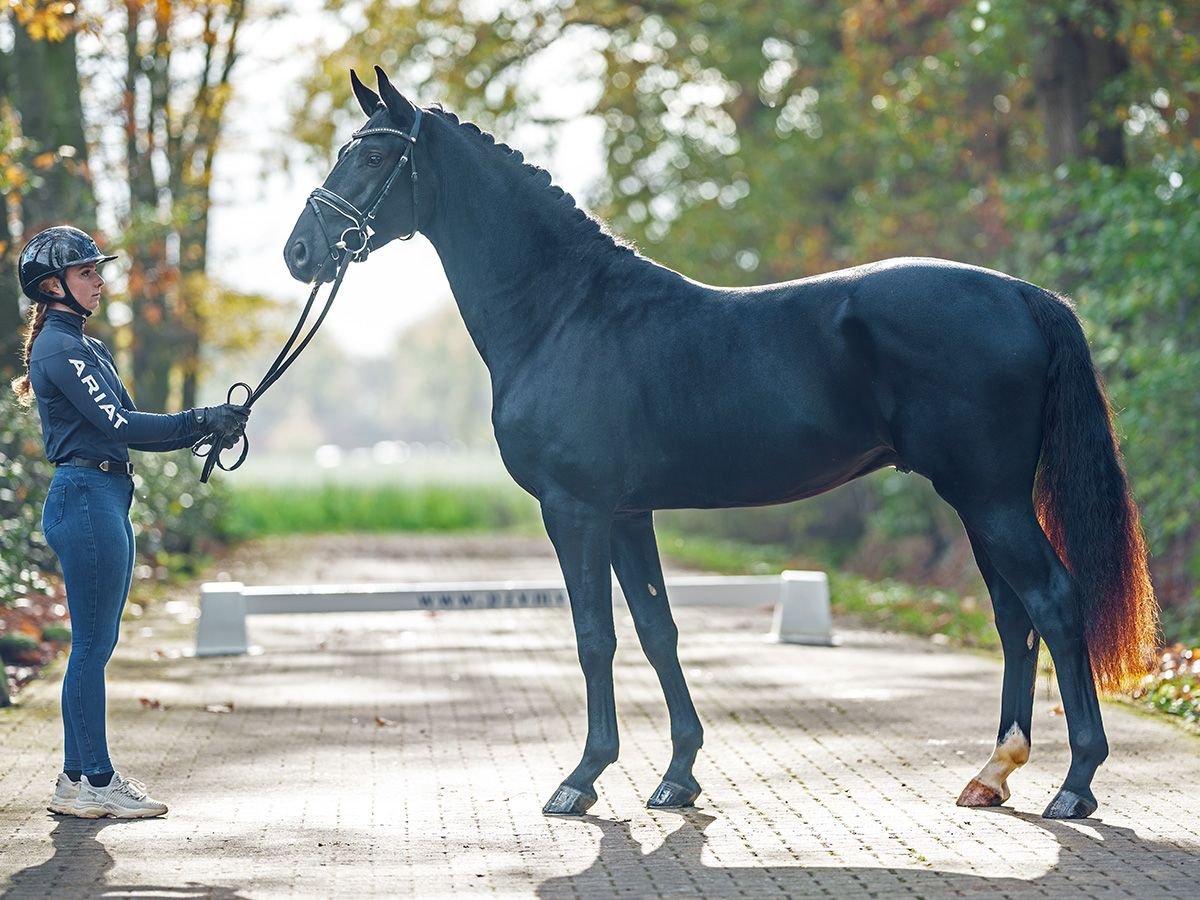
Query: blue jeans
(86,523)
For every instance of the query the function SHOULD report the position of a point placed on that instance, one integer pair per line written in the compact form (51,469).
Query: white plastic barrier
(801,601)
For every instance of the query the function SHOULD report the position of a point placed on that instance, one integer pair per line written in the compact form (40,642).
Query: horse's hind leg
(636,561)
(1020,642)
(1017,547)
(581,539)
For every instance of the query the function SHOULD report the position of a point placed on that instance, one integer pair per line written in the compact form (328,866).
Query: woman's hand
(228,419)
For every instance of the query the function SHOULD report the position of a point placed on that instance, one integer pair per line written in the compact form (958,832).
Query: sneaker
(65,792)
(123,798)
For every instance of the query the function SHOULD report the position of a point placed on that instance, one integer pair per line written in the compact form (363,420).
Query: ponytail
(20,385)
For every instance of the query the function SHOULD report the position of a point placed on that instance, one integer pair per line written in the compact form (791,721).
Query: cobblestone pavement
(409,754)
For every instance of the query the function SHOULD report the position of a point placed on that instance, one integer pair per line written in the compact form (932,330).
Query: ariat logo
(93,386)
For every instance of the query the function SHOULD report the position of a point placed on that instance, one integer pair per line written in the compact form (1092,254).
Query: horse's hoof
(976,793)
(673,796)
(569,801)
(1069,805)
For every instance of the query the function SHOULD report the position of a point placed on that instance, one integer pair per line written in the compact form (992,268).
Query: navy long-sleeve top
(84,407)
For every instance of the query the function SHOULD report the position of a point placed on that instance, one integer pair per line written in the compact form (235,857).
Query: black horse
(620,387)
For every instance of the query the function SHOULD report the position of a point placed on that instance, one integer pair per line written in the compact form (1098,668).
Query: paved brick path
(408,754)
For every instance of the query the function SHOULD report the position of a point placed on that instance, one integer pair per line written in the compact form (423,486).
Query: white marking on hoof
(1030,641)
(1010,754)
(652,589)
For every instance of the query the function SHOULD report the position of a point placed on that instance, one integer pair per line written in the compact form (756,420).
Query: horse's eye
(375,159)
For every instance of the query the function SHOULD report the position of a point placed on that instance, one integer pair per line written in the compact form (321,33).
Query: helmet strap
(67,299)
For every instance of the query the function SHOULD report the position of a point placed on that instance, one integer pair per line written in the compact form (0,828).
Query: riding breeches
(86,523)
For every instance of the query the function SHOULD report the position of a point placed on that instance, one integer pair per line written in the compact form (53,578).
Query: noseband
(355,241)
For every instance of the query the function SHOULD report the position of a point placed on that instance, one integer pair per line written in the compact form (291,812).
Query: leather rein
(353,244)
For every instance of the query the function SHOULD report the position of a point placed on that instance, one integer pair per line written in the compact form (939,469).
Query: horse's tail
(1084,504)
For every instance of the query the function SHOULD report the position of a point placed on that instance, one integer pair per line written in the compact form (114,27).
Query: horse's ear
(401,109)
(367,98)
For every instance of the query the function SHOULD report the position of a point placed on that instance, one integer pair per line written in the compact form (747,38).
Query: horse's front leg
(636,560)
(581,540)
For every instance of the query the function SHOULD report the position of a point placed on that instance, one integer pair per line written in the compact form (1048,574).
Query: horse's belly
(748,472)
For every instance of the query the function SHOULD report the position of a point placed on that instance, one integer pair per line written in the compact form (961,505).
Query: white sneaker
(65,792)
(123,798)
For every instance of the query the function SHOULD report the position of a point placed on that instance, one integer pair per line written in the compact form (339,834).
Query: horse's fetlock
(1091,745)
(689,741)
(600,757)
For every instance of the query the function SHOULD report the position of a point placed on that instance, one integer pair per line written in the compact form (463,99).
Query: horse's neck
(513,262)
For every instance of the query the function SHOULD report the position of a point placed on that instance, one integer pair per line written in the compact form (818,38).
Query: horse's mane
(584,223)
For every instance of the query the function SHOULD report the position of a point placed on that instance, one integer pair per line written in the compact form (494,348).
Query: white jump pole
(801,601)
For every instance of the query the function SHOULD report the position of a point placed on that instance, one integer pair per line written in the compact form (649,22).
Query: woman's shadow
(80,867)
(1094,853)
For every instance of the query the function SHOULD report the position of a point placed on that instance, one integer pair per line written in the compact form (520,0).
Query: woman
(89,425)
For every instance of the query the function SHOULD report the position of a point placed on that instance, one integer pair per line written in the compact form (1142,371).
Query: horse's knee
(596,652)
(661,643)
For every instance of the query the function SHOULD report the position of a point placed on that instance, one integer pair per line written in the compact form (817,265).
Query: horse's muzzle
(307,263)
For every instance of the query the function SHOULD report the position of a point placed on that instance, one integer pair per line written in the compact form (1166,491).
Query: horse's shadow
(1096,852)
(80,867)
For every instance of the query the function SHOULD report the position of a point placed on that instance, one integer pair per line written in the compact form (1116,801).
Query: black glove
(226,420)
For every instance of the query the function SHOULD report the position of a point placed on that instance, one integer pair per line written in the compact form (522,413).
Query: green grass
(263,510)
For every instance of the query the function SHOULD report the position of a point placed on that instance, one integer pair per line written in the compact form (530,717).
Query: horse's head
(370,196)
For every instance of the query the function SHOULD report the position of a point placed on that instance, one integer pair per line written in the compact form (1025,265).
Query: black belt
(112,466)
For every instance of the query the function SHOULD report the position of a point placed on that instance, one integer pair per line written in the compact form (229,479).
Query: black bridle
(210,446)
(360,221)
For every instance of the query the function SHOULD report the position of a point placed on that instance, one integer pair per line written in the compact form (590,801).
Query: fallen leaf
(147,703)
(1057,711)
(382,722)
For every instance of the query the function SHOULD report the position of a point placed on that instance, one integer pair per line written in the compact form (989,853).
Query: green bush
(174,516)
(13,646)
(58,633)
(1125,244)
(24,479)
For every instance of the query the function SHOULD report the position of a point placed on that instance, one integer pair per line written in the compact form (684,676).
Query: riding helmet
(51,251)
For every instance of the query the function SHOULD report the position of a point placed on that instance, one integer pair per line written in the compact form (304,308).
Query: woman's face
(85,283)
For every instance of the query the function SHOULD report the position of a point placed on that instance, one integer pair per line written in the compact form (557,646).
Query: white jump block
(221,630)
(801,601)
(802,615)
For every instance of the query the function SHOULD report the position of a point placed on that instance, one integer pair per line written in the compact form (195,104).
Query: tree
(173,126)
(1079,66)
(46,179)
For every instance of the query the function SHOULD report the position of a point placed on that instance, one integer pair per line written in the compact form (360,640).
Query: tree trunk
(1076,66)
(10,301)
(152,277)
(40,80)
(45,84)
(10,294)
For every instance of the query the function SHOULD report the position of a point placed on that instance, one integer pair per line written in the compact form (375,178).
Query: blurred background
(740,143)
